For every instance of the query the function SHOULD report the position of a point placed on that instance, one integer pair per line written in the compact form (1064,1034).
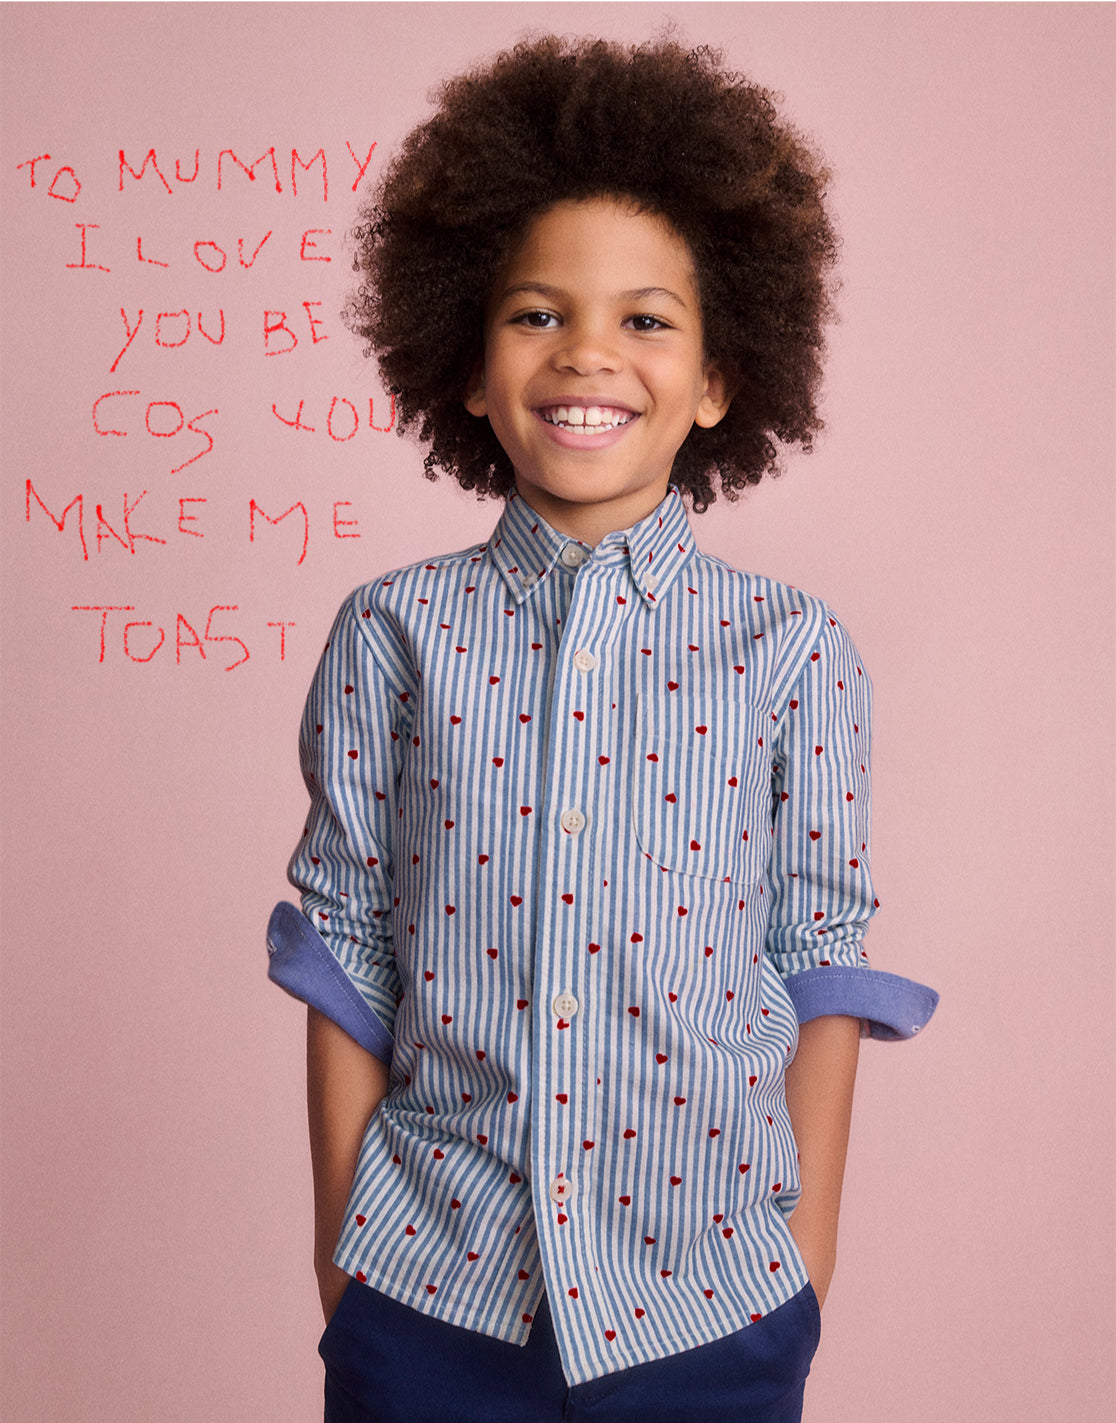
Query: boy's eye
(646,322)
(537,320)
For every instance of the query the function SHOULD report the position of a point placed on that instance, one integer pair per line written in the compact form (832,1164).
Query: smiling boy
(587,853)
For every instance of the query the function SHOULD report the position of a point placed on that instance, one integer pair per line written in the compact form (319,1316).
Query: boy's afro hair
(556,119)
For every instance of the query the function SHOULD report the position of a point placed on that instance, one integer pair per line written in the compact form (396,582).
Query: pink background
(958,515)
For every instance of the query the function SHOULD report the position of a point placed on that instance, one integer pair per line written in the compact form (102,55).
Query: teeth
(582,418)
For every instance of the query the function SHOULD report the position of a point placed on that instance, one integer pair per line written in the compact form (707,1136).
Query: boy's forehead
(599,243)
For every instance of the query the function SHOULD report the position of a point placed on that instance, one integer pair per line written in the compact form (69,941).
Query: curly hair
(668,129)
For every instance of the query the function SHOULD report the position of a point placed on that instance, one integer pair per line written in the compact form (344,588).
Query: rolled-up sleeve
(823,898)
(337,955)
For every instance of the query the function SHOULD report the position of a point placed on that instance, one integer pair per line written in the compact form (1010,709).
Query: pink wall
(958,515)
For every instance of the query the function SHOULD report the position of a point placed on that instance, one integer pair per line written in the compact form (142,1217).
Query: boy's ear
(715,398)
(475,402)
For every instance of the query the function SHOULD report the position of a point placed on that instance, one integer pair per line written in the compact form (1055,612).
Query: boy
(587,854)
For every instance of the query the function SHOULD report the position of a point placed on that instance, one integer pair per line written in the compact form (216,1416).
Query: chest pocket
(702,787)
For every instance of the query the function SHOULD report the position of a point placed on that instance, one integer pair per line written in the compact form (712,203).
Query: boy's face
(594,368)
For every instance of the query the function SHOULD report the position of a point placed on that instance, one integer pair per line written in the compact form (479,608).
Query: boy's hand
(817,1244)
(332,1284)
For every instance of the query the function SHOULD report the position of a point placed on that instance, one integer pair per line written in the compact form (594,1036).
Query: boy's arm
(344,1086)
(819,1086)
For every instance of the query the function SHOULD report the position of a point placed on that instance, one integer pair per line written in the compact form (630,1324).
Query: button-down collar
(526,549)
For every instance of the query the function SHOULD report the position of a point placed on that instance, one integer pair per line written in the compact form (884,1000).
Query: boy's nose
(586,351)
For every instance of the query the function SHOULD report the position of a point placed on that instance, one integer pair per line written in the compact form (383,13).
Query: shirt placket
(579,792)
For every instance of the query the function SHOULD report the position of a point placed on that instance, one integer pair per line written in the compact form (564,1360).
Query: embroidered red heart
(673,997)
(410,1230)
(708,951)
(727,1232)
(567,899)
(492,953)
(676,1180)
(525,810)
(660,1058)
(362,1277)
(579,716)
(514,1178)
(562,1097)
(524,1275)
(439,1154)
(625,1200)
(455,721)
(714,1131)
(480,1054)
(708,1294)
(594,948)
(637,938)
(755,1318)
(682,911)
(651,756)
(482,859)
(855,864)
(610,1335)
(648,1240)
(521,1003)
(515,901)
(432,1289)
(744,1166)
(602,760)
(497,761)
(634,1012)
(672,686)
(694,845)
(524,718)
(774,1266)
(512,1097)
(492,681)
(572,1292)
(679,1101)
(639,1313)
(701,730)
(665,1274)
(361,1219)
(588,1145)
(428,975)
(354,754)
(472,1255)
(671,797)
(451,909)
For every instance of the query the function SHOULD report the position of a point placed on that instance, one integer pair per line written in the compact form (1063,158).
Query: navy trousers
(387,1363)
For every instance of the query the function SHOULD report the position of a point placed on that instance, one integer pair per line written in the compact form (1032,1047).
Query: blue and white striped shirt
(588,838)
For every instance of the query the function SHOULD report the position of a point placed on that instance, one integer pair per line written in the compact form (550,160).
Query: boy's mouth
(586,419)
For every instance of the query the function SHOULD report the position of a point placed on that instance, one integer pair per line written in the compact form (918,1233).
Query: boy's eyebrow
(546,290)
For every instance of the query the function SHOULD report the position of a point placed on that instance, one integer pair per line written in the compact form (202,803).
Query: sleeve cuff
(299,961)
(892,1007)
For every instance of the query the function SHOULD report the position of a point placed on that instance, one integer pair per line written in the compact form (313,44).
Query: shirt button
(561,1190)
(573,822)
(650,582)
(573,556)
(565,1005)
(529,580)
(584,661)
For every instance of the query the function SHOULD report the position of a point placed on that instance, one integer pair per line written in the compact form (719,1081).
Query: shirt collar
(525,549)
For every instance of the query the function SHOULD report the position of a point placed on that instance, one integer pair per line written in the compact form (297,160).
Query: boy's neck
(589,523)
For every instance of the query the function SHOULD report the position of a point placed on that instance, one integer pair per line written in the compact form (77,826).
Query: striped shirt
(588,838)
